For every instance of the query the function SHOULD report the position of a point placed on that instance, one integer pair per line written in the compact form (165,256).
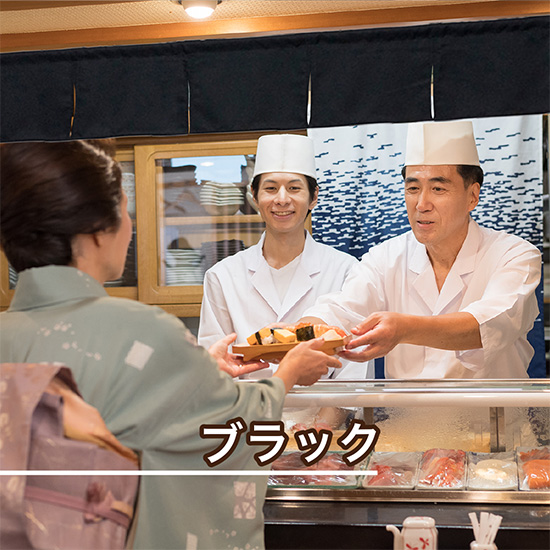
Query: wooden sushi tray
(274,352)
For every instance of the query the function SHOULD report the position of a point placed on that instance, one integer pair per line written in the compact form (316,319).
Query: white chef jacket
(239,294)
(494,277)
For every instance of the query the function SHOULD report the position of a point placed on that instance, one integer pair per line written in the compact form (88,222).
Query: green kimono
(142,369)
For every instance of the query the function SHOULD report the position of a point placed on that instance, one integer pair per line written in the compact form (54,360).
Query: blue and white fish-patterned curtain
(361,200)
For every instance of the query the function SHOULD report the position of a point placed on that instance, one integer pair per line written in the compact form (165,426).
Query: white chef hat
(437,143)
(285,153)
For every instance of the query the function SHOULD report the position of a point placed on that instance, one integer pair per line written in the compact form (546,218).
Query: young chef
(448,299)
(275,280)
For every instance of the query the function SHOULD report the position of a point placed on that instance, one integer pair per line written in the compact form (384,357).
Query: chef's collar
(310,259)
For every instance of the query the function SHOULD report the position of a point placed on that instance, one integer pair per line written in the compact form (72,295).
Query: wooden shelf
(182,310)
(213,220)
(130,292)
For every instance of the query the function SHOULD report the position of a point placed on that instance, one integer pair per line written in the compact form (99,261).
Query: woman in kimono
(65,229)
(275,280)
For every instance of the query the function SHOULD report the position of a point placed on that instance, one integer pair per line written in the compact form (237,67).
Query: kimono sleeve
(162,404)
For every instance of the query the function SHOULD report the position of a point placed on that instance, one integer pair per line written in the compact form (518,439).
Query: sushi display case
(483,440)
(443,448)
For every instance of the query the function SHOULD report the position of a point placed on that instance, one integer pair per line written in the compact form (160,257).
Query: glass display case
(498,421)
(491,428)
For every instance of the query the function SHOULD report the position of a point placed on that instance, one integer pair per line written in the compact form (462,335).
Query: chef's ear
(474,195)
(254,186)
(313,202)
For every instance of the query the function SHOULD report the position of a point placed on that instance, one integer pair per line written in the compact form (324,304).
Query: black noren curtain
(113,91)
(480,69)
(371,76)
(36,96)
(130,91)
(492,68)
(248,84)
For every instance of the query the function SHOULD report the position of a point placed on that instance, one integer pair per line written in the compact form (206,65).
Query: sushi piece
(284,336)
(331,335)
(321,330)
(304,333)
(261,337)
(307,331)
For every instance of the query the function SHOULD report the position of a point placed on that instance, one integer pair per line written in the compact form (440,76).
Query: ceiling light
(199,9)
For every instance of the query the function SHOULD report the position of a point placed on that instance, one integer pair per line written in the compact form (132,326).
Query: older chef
(448,299)
(275,280)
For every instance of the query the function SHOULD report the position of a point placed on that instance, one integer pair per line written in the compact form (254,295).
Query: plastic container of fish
(492,471)
(312,476)
(533,468)
(395,470)
(442,469)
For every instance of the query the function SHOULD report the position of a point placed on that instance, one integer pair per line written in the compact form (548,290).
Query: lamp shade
(199,9)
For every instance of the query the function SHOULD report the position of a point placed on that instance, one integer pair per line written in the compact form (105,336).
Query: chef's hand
(305,364)
(379,333)
(231,363)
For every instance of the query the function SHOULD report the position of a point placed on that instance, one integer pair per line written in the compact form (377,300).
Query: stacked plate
(182,200)
(214,251)
(221,199)
(184,267)
(129,276)
(13,276)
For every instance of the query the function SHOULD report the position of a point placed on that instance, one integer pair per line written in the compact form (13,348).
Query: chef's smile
(284,200)
(285,214)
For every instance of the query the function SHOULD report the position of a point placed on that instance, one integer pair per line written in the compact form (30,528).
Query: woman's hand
(230,362)
(305,364)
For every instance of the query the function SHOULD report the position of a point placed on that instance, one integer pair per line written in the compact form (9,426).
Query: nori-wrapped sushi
(263,336)
(305,333)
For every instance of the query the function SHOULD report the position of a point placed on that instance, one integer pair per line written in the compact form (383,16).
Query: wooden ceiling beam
(232,28)
(18,5)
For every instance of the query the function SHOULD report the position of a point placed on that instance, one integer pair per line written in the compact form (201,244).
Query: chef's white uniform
(494,277)
(240,296)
